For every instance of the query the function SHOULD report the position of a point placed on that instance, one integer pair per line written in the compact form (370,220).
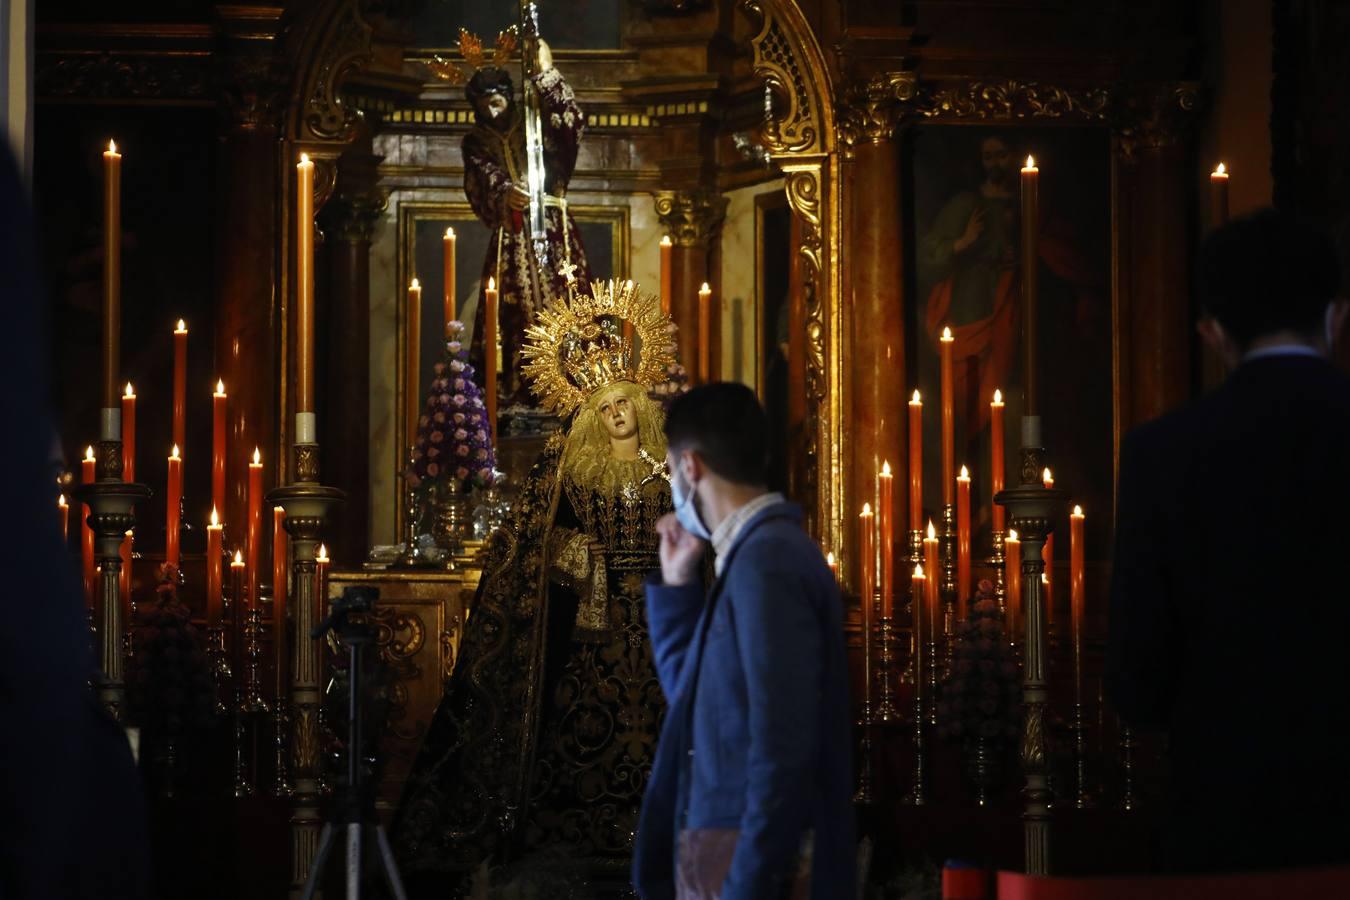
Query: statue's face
(997,160)
(617,413)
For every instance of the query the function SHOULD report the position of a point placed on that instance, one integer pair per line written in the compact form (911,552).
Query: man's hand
(681,552)
(974,227)
(517,198)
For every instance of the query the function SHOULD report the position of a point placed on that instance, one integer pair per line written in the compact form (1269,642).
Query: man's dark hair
(1267,272)
(725,424)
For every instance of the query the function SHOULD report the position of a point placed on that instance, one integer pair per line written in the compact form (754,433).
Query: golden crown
(471,48)
(579,343)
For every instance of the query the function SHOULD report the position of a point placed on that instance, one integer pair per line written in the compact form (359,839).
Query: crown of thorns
(471,48)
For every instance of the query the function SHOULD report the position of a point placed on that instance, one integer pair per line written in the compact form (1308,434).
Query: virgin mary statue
(545,735)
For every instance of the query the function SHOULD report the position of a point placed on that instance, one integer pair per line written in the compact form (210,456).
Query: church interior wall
(738,304)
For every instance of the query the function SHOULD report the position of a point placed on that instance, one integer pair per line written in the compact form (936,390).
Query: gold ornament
(578,344)
(471,48)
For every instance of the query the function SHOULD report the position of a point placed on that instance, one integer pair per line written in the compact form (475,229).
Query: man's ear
(692,465)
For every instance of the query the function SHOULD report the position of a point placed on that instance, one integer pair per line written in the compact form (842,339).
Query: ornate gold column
(693,219)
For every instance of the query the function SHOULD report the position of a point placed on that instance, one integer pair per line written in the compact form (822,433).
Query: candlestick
(996,441)
(412,356)
(304,299)
(946,345)
(112,283)
(180,384)
(963,585)
(174,501)
(1076,598)
(124,583)
(866,601)
(218,432)
(704,334)
(1218,196)
(1012,552)
(916,462)
(87,531)
(242,785)
(666,249)
(129,434)
(932,611)
(886,524)
(279,596)
(1048,557)
(918,782)
(254,524)
(1030,260)
(490,355)
(448,276)
(63,514)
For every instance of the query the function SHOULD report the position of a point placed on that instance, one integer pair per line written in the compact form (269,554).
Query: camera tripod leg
(390,868)
(353,860)
(316,867)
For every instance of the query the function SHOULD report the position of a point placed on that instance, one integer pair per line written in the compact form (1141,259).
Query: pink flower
(454,346)
(457,418)
(459,400)
(433,452)
(445,398)
(423,422)
(485,473)
(439,368)
(461,450)
(461,472)
(439,418)
(481,435)
(460,434)
(456,366)
(459,384)
(437,437)
(433,470)
(481,454)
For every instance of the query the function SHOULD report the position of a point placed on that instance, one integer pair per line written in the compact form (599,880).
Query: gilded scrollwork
(342,48)
(799,128)
(1154,117)
(166,76)
(1011,99)
(691,218)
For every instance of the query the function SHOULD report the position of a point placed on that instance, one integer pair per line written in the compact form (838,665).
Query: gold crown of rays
(577,344)
(471,48)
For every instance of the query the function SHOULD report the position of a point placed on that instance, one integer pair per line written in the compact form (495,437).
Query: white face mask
(686,507)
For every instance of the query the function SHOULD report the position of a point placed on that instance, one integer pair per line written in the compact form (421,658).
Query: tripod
(355,812)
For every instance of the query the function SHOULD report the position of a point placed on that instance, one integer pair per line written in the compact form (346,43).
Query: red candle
(945,346)
(666,249)
(918,598)
(87,533)
(173,504)
(63,513)
(867,558)
(1076,577)
(180,384)
(214,569)
(218,401)
(279,593)
(1031,177)
(1048,557)
(129,434)
(1012,575)
(304,291)
(915,463)
(930,563)
(448,274)
(704,334)
(962,542)
(112,278)
(413,355)
(254,532)
(490,353)
(886,525)
(237,614)
(996,440)
(1218,196)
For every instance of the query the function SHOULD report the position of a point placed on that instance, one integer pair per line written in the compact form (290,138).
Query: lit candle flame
(915,399)
(220,386)
(174,454)
(1031,162)
(665,240)
(1047,477)
(215,519)
(998,396)
(257,457)
(238,558)
(885,470)
(112,146)
(129,391)
(1045,578)
(932,532)
(829,559)
(918,571)
(1012,534)
(182,327)
(304,159)
(705,289)
(947,334)
(1078,511)
(867,509)
(965,474)
(450,233)
(415,286)
(61,500)
(323,554)
(1220,170)
(89,452)
(492,283)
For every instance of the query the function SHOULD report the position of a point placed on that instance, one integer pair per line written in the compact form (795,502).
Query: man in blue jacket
(750,793)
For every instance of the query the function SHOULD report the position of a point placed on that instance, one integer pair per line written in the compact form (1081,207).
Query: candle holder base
(887,710)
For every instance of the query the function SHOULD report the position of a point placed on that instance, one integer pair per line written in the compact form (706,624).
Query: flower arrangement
(981,697)
(169,686)
(676,383)
(454,437)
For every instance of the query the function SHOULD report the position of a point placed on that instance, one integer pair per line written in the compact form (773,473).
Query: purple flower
(423,422)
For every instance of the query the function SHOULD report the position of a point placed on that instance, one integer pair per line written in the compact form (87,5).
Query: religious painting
(773,250)
(604,232)
(965,230)
(565,24)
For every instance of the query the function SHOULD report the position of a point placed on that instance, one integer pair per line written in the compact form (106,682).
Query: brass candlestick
(917,795)
(253,700)
(1032,507)
(1128,801)
(864,795)
(308,506)
(1082,799)
(947,587)
(997,561)
(913,557)
(111,503)
(887,710)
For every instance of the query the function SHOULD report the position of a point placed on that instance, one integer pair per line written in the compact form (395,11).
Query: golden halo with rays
(577,344)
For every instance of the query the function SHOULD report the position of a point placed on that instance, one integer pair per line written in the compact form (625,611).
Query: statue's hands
(974,227)
(545,56)
(681,552)
(517,198)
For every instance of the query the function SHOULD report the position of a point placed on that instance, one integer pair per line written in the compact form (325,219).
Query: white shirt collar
(725,534)
(1282,350)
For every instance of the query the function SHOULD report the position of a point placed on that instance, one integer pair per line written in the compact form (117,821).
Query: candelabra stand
(253,700)
(997,561)
(280,717)
(410,556)
(1032,507)
(110,501)
(947,587)
(913,558)
(864,795)
(1082,799)
(308,505)
(917,795)
(1128,801)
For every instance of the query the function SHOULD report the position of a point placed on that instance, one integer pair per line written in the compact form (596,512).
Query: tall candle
(304,299)
(996,440)
(666,248)
(930,563)
(1218,196)
(112,279)
(1030,257)
(704,334)
(321,572)
(1048,557)
(63,513)
(962,542)
(254,534)
(124,578)
(886,524)
(946,345)
(218,451)
(279,598)
(1076,578)
(1012,577)
(214,566)
(915,462)
(490,354)
(129,434)
(237,615)
(867,559)
(918,599)
(173,508)
(448,275)
(86,532)
(413,355)
(180,384)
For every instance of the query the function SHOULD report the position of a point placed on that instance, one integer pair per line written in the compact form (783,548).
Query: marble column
(693,219)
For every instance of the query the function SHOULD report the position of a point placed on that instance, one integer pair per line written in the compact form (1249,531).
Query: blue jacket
(757,734)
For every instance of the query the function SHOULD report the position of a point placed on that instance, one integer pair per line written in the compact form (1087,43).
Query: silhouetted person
(70,803)
(1230,614)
